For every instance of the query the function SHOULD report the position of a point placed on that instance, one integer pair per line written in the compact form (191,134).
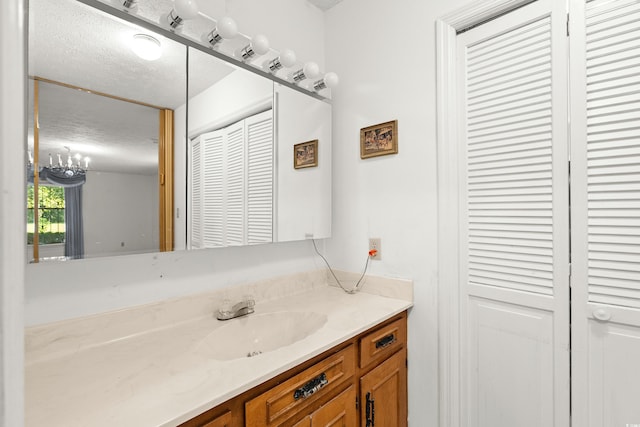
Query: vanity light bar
(189,42)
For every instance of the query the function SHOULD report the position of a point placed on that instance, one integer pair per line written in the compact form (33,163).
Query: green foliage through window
(51,226)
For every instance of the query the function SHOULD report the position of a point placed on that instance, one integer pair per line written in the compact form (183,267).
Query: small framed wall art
(305,154)
(379,140)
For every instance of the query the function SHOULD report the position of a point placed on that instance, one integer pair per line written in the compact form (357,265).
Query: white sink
(256,334)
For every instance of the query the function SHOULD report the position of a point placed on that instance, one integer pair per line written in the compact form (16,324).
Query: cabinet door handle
(385,341)
(370,411)
(311,387)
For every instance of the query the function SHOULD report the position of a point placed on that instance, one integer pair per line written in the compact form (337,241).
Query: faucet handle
(225,306)
(249,300)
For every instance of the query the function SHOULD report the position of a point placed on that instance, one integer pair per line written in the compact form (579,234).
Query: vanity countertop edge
(159,378)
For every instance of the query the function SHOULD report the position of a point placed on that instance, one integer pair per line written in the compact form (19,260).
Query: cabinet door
(383,393)
(338,412)
(223,420)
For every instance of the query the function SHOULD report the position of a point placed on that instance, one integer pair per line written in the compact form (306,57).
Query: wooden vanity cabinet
(364,378)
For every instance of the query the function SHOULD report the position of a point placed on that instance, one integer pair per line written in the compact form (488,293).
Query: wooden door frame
(447,107)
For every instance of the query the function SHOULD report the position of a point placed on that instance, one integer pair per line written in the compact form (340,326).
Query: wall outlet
(375,243)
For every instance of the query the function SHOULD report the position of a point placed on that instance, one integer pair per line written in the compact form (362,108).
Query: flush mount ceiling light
(146,47)
(226,28)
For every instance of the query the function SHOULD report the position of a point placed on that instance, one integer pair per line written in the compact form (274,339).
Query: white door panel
(605,200)
(511,365)
(614,376)
(515,220)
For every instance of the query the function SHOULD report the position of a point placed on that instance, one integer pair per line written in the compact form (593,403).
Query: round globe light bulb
(186,9)
(146,47)
(227,27)
(311,70)
(260,44)
(331,79)
(287,58)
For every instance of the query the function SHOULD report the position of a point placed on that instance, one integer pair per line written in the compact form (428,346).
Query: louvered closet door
(260,178)
(515,255)
(235,184)
(195,195)
(605,170)
(213,182)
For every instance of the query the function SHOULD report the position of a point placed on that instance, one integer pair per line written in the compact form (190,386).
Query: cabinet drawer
(383,342)
(287,399)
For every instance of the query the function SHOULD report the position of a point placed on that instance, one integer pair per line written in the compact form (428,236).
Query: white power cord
(355,288)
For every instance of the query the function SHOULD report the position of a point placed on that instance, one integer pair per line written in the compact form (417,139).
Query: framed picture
(305,154)
(379,140)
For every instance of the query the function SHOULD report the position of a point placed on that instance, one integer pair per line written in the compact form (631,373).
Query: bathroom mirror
(95,98)
(100,134)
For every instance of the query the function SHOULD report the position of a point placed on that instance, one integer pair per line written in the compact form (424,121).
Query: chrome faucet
(239,309)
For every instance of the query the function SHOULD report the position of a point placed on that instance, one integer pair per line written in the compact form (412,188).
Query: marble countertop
(133,369)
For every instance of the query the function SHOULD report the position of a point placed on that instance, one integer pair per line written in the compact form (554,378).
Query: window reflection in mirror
(105,122)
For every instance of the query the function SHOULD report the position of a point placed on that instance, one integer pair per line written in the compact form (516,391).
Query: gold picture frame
(305,154)
(379,140)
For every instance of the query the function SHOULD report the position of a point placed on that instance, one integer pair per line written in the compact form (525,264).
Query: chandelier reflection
(63,172)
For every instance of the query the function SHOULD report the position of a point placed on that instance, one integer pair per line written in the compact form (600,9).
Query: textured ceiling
(75,44)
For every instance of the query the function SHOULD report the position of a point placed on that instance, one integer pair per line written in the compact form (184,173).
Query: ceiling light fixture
(328,81)
(146,47)
(259,45)
(286,59)
(182,10)
(309,70)
(226,28)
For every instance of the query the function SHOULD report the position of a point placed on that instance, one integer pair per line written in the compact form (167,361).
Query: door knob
(602,315)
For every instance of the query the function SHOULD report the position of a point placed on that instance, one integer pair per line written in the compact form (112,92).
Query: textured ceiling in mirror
(75,44)
(118,136)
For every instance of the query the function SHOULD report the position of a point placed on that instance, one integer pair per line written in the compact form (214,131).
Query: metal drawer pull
(370,410)
(383,342)
(311,387)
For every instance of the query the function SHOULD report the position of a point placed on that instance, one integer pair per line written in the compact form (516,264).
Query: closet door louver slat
(213,190)
(509,160)
(613,152)
(260,178)
(235,191)
(195,207)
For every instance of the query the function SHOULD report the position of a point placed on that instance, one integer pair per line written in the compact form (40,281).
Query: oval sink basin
(255,334)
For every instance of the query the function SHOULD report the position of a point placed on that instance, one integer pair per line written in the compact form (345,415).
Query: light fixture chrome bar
(152,26)
(174,19)
(275,65)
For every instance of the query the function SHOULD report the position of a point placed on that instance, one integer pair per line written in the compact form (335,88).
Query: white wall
(384,53)
(120,213)
(12,210)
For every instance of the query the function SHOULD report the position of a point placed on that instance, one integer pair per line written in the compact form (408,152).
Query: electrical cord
(366,265)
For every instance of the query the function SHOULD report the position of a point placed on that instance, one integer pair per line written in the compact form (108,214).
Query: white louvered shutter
(514,224)
(260,159)
(235,183)
(195,200)
(509,160)
(613,151)
(213,218)
(605,175)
